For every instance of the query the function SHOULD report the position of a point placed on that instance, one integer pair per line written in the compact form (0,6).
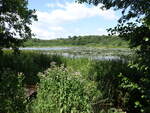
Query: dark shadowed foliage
(15,18)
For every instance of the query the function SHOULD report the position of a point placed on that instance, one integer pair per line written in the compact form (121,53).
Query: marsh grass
(28,62)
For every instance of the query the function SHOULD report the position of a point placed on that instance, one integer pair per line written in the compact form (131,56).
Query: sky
(63,18)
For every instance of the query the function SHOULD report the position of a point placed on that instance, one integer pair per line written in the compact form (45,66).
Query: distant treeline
(93,40)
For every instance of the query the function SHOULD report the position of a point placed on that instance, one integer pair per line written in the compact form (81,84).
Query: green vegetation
(79,79)
(29,63)
(94,41)
(12,95)
(64,91)
(81,85)
(14,14)
(133,26)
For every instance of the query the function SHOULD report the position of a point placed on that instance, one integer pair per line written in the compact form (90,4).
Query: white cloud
(60,5)
(74,11)
(49,23)
(57,28)
(47,34)
(54,5)
(102,31)
(50,5)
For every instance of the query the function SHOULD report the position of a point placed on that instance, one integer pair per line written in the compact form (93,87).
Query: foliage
(125,90)
(95,41)
(14,25)
(28,63)
(12,96)
(134,93)
(138,37)
(130,9)
(137,32)
(104,75)
(64,91)
(134,26)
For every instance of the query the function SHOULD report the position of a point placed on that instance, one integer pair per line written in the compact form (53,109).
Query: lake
(85,52)
(45,48)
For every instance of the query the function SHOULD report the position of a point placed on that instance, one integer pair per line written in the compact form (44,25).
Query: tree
(15,19)
(134,26)
(138,10)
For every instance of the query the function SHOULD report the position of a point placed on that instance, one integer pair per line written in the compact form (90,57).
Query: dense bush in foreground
(64,91)
(12,95)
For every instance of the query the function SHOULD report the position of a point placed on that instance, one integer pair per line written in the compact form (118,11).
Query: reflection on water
(85,52)
(45,48)
(98,57)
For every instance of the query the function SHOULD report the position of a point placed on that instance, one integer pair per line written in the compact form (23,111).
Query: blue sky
(63,18)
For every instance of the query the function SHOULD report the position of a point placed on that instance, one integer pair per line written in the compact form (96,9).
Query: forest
(94,41)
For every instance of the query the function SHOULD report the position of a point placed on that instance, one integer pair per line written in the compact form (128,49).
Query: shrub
(64,91)
(12,96)
(136,91)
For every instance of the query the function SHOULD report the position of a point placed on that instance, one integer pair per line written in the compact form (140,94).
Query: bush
(64,91)
(122,85)
(137,95)
(12,96)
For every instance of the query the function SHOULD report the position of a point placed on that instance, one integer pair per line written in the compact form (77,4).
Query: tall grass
(28,62)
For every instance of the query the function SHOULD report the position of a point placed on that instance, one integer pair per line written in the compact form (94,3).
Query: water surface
(85,52)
